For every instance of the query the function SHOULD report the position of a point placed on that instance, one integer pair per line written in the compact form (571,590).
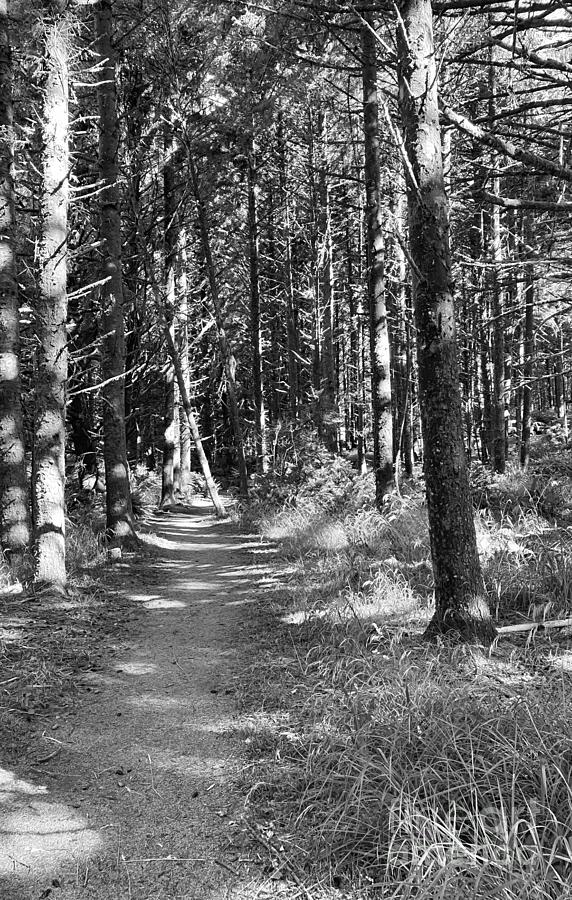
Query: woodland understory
(311,260)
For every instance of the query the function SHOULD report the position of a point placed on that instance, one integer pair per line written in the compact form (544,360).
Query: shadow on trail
(139,798)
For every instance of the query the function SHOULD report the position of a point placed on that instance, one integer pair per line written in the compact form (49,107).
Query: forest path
(138,802)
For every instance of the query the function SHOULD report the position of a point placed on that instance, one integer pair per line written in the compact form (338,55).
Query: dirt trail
(137,802)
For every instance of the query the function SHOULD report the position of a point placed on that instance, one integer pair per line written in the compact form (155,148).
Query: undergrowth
(398,769)
(48,640)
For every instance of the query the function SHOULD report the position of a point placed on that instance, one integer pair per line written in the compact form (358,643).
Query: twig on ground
(273,851)
(47,758)
(223,865)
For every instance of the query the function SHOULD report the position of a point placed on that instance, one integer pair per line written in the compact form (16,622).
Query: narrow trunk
(460,599)
(51,310)
(170,256)
(193,427)
(255,330)
(497,305)
(229,360)
(118,495)
(291,327)
(528,350)
(498,405)
(329,412)
(560,384)
(379,332)
(14,512)
(183,307)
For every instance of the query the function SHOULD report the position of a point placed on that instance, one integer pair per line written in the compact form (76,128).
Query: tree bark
(118,494)
(528,347)
(229,360)
(497,305)
(191,421)
(382,415)
(48,479)
(498,406)
(14,510)
(329,412)
(460,599)
(288,282)
(183,321)
(255,329)
(170,255)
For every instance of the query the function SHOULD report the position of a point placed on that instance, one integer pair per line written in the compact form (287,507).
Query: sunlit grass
(405,770)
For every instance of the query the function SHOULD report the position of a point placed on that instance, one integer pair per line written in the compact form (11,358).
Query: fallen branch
(535,626)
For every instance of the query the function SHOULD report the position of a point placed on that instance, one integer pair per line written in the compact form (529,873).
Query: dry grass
(47,641)
(402,770)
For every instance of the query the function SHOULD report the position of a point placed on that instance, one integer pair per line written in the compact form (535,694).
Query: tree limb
(539,163)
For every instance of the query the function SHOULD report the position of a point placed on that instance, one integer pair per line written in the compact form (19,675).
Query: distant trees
(241,172)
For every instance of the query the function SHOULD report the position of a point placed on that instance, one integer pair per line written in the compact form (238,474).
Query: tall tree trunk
(460,598)
(498,406)
(51,311)
(497,305)
(255,329)
(560,384)
(379,334)
(229,360)
(288,282)
(329,412)
(170,256)
(183,316)
(528,346)
(118,495)
(14,511)
(191,421)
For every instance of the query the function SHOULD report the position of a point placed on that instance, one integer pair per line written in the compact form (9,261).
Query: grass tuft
(402,770)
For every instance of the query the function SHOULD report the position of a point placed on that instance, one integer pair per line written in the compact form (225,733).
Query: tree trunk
(329,413)
(497,305)
(560,384)
(379,334)
(14,512)
(170,256)
(118,495)
(51,310)
(460,599)
(229,360)
(528,348)
(191,421)
(183,316)
(291,313)
(255,329)
(498,405)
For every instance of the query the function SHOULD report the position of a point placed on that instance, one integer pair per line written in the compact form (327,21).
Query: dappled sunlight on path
(138,802)
(37,831)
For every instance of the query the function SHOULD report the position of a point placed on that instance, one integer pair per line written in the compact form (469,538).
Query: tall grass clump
(85,529)
(432,773)
(416,771)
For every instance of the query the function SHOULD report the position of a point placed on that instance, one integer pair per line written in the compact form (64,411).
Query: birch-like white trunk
(51,307)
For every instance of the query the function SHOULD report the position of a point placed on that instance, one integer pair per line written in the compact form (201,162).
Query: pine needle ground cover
(389,767)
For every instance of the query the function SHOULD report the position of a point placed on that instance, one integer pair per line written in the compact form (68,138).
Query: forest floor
(223,716)
(132,790)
